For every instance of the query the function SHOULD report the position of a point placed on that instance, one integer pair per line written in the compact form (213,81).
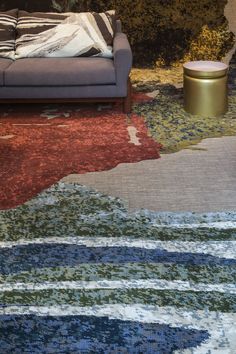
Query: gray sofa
(70,79)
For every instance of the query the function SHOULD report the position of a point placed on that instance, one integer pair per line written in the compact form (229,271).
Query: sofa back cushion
(8,21)
(65,35)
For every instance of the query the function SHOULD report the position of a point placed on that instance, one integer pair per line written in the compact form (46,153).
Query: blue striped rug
(79,274)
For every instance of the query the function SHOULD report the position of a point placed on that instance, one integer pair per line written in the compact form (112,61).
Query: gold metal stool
(205,88)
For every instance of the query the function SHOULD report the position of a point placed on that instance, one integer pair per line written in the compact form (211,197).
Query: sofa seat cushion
(51,35)
(60,72)
(8,21)
(4,64)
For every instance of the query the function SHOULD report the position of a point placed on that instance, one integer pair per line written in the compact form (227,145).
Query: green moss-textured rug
(79,274)
(165,117)
(174,128)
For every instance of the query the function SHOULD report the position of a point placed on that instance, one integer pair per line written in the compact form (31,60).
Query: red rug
(39,145)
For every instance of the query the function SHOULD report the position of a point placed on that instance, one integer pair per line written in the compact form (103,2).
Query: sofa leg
(127,102)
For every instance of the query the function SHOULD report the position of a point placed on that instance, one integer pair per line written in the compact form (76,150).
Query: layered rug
(79,274)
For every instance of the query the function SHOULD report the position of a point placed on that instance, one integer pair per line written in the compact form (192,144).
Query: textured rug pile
(40,145)
(79,274)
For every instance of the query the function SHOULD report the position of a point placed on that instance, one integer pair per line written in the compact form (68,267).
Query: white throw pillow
(64,40)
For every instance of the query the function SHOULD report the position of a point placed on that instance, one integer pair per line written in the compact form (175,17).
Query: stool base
(205,96)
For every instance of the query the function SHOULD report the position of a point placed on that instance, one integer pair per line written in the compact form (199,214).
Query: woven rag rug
(79,274)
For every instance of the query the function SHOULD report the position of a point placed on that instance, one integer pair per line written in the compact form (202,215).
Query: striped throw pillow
(65,35)
(8,21)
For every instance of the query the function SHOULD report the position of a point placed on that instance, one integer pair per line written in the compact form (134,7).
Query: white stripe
(4,15)
(2,44)
(6,48)
(220,225)
(224,249)
(7,24)
(170,218)
(154,284)
(8,20)
(168,224)
(221,326)
(39,19)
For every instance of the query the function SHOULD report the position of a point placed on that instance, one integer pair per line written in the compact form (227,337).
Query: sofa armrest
(122,58)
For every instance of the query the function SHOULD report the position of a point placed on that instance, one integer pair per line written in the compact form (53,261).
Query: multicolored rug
(79,274)
(39,145)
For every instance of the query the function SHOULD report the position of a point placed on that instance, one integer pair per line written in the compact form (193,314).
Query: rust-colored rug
(41,144)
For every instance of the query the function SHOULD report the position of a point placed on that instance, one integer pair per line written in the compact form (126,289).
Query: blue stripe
(89,334)
(26,257)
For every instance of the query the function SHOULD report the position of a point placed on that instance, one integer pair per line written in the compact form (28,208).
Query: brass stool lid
(205,69)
